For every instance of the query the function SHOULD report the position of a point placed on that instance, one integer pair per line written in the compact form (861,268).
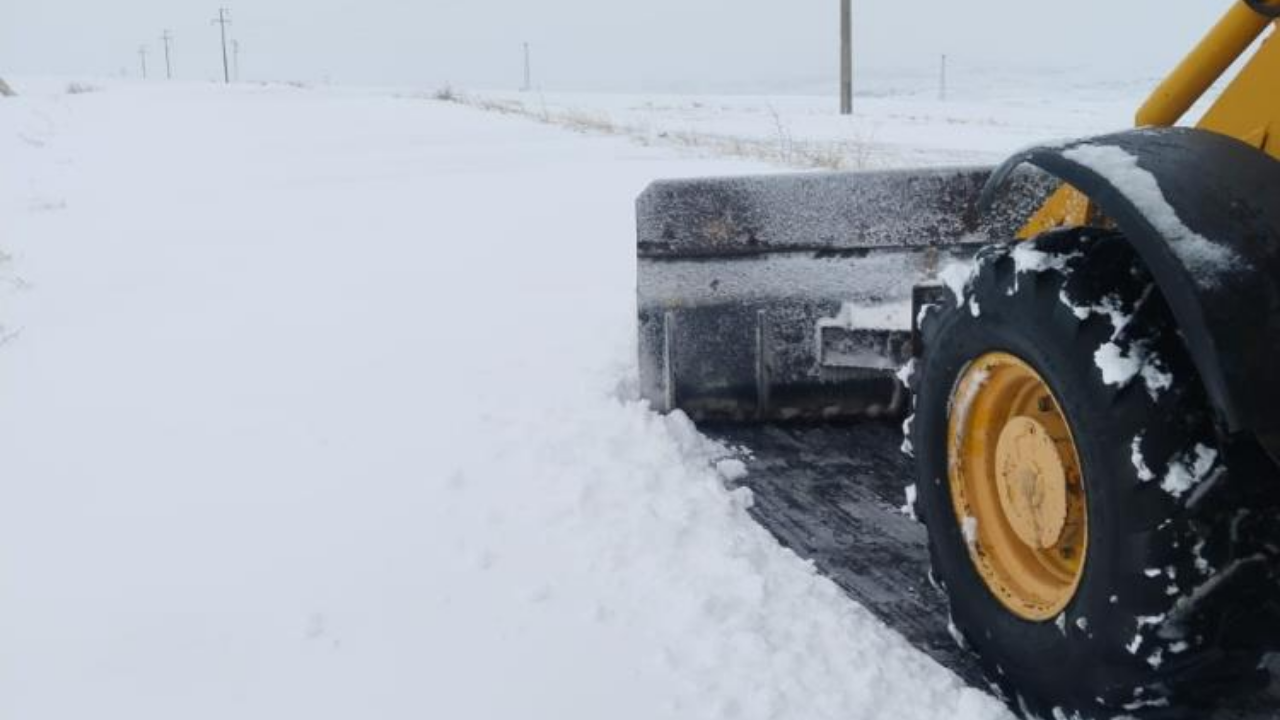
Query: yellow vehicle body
(1248,109)
(1096,452)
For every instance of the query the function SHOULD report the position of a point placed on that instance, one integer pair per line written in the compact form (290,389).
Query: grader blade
(791,297)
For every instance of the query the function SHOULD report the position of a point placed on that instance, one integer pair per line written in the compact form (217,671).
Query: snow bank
(320,410)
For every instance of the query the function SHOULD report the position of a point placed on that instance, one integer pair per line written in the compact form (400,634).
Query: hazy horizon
(664,45)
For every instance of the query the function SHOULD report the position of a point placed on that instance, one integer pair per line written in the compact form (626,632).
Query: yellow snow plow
(1081,345)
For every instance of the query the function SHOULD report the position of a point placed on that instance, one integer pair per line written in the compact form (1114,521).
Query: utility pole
(235,59)
(528,71)
(942,80)
(166,38)
(846,57)
(142,54)
(223,20)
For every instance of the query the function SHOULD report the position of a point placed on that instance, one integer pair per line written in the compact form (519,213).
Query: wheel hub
(1016,486)
(1032,482)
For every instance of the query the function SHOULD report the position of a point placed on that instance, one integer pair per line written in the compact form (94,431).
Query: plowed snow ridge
(317,407)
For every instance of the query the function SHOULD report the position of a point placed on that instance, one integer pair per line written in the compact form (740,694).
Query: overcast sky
(596,44)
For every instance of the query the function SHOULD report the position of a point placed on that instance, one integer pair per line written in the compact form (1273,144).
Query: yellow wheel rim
(1016,486)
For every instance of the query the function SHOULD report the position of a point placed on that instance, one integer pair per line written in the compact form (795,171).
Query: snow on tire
(1176,603)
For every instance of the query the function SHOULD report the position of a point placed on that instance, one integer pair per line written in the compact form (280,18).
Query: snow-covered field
(899,122)
(317,403)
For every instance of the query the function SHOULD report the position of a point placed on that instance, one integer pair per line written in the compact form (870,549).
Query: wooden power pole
(142,55)
(846,57)
(942,80)
(223,20)
(166,38)
(528,71)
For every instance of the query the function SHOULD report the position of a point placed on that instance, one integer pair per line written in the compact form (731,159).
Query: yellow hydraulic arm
(1248,109)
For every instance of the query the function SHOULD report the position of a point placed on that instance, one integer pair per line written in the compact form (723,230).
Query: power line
(166,38)
(223,20)
(142,55)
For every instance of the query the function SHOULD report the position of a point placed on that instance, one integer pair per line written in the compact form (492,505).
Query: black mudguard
(1219,269)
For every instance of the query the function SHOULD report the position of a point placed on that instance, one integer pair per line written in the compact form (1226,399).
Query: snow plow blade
(792,297)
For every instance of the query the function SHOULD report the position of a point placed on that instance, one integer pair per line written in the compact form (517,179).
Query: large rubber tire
(1177,602)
